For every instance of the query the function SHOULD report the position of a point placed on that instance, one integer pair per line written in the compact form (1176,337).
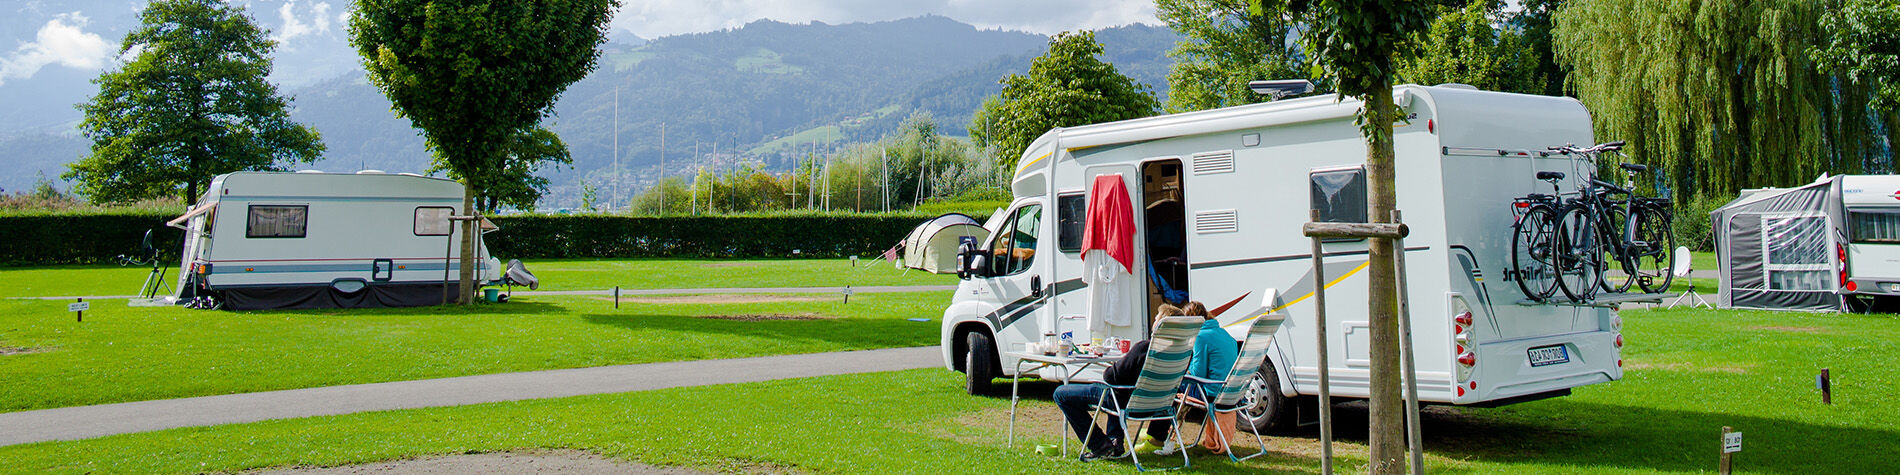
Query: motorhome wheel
(979,364)
(1274,411)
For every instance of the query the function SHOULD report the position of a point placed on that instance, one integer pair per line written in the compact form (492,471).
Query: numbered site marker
(1731,443)
(78,309)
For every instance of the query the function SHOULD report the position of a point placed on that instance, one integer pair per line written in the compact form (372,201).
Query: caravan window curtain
(1875,226)
(433,220)
(1797,253)
(276,221)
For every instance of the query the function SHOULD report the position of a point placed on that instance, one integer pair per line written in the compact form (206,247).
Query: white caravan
(1220,197)
(324,240)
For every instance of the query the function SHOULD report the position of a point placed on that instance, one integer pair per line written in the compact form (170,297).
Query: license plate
(1549,355)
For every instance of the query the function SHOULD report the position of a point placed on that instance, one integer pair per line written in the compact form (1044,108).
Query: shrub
(1692,222)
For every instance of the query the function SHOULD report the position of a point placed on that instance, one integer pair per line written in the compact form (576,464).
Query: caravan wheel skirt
(322,296)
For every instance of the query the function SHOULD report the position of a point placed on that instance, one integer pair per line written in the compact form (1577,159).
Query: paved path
(869,289)
(71,423)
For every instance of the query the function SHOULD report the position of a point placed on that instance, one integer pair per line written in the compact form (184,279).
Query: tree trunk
(470,229)
(1386,433)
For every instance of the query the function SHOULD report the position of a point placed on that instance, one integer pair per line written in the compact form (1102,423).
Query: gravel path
(71,423)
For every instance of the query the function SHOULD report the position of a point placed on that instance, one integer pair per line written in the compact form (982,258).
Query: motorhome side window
(276,221)
(1071,213)
(433,220)
(1875,226)
(1340,195)
(1015,247)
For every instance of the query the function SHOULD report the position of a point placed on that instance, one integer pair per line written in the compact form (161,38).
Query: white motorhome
(1220,197)
(309,239)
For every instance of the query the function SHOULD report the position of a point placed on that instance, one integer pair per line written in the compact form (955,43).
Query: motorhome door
(1074,306)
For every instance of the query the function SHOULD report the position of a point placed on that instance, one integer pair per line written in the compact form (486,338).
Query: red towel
(1110,225)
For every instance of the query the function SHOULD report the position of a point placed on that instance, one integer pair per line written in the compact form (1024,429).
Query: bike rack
(1609,301)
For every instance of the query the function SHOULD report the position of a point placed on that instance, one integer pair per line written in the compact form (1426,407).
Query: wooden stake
(1724,467)
(1827,388)
(80,316)
(1325,379)
(616,297)
(1413,440)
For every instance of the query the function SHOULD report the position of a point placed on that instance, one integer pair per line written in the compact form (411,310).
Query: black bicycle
(1608,223)
(1534,240)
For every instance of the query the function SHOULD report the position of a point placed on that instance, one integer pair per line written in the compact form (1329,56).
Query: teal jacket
(1214,355)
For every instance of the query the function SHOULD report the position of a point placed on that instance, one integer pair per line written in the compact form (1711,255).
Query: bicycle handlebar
(1598,148)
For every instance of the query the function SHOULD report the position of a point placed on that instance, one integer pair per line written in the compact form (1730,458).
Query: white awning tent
(932,246)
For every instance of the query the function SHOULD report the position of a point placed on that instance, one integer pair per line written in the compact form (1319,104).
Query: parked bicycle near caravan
(1607,222)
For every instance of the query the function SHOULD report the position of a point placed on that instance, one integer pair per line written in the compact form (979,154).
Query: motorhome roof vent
(1216,221)
(312,172)
(371,172)
(409,174)
(1207,163)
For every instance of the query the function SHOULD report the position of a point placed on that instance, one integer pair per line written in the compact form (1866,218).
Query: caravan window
(1340,195)
(276,221)
(1014,247)
(433,220)
(1071,212)
(1881,227)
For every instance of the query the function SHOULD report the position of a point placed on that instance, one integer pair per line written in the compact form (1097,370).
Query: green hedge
(98,238)
(83,238)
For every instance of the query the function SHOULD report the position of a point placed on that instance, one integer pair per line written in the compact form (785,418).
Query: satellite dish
(1682,260)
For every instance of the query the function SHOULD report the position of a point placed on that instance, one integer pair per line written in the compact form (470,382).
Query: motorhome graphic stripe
(1023,307)
(1258,260)
(1342,278)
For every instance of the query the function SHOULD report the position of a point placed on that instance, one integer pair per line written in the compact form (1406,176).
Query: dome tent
(932,246)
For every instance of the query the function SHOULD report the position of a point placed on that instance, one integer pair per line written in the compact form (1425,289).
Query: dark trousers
(1075,401)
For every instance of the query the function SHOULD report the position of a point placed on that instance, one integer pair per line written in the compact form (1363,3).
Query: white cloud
(656,18)
(63,41)
(294,27)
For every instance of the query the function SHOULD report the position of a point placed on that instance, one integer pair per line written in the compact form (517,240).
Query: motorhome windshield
(1875,226)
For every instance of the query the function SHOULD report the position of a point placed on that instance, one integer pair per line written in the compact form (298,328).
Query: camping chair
(1232,395)
(1151,398)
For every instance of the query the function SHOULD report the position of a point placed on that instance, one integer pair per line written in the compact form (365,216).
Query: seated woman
(1075,400)
(1214,354)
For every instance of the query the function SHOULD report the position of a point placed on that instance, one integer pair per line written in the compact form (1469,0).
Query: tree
(472,74)
(1534,23)
(1719,106)
(1068,86)
(1222,49)
(1462,46)
(1863,44)
(1358,45)
(192,104)
(516,186)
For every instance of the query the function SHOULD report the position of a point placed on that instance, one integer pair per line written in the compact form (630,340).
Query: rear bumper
(1594,358)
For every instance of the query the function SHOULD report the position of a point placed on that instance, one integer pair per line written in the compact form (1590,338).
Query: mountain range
(763,92)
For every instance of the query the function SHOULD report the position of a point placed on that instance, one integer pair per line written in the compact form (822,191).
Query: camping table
(1072,366)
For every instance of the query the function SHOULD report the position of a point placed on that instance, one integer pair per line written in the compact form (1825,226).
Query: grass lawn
(574,274)
(124,353)
(1689,373)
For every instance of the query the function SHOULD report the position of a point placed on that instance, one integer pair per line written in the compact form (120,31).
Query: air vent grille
(1216,221)
(1207,163)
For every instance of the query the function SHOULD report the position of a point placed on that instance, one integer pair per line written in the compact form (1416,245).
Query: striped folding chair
(1151,398)
(1233,395)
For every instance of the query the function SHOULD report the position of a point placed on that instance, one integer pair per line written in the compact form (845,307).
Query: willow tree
(1357,45)
(475,75)
(1721,95)
(1222,48)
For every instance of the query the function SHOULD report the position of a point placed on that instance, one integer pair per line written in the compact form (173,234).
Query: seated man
(1075,400)
(1214,354)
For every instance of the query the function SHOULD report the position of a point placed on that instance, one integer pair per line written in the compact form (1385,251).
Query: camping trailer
(1219,198)
(265,240)
(1828,245)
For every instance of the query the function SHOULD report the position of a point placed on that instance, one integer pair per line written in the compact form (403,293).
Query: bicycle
(1533,243)
(1634,231)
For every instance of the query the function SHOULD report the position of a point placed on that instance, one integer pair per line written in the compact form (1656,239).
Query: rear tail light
(1619,340)
(1840,250)
(1463,348)
(1468,359)
(1523,204)
(1463,318)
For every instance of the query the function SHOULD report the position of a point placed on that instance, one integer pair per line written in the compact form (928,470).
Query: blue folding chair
(1151,398)
(1232,396)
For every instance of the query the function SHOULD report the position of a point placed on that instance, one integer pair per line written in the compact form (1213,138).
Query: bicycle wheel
(1610,227)
(1655,256)
(1533,249)
(1579,259)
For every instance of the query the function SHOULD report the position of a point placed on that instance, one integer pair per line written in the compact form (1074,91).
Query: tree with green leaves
(1223,47)
(1065,87)
(1463,46)
(1357,45)
(1863,44)
(1534,22)
(192,104)
(474,74)
(516,185)
(1720,106)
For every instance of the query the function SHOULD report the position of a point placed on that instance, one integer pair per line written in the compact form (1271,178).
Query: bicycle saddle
(1634,167)
(1550,175)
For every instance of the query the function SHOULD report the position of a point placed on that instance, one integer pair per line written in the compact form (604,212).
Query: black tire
(980,367)
(1533,246)
(1274,412)
(1657,258)
(1579,256)
(1609,235)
